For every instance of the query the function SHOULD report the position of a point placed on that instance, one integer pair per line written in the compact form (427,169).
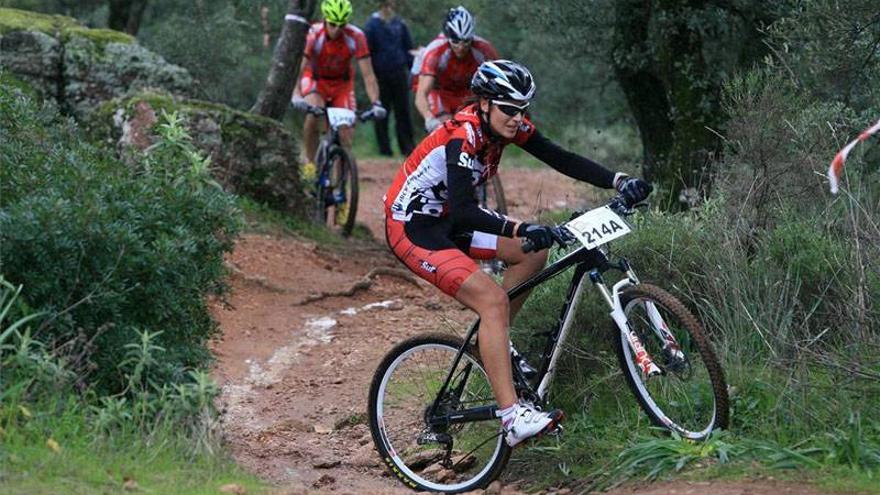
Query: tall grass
(786,284)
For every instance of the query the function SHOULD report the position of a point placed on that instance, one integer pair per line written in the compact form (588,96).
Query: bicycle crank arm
(482,413)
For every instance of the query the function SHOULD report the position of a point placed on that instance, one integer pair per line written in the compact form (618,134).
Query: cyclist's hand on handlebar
(633,190)
(539,237)
(432,123)
(299,104)
(378,111)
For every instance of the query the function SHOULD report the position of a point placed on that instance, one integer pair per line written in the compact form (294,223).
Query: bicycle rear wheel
(689,396)
(450,458)
(337,198)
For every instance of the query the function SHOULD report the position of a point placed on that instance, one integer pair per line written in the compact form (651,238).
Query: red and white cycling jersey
(420,186)
(453,74)
(331,58)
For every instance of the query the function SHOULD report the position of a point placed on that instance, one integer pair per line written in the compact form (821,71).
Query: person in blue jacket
(390,44)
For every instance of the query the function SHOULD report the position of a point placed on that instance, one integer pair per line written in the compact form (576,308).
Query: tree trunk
(126,15)
(275,96)
(671,94)
(645,92)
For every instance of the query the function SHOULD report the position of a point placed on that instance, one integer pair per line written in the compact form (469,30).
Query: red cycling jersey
(433,222)
(420,186)
(331,58)
(329,70)
(452,83)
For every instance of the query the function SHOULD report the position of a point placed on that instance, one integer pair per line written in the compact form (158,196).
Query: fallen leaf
(53,445)
(130,486)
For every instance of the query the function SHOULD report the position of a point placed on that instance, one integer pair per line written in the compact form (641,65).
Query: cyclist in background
(327,75)
(445,69)
(434,225)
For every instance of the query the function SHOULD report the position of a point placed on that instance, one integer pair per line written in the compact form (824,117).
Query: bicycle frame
(328,139)
(590,263)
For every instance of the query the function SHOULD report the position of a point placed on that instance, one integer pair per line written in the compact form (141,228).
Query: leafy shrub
(220,49)
(107,248)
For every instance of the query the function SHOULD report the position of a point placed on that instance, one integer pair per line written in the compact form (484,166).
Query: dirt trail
(295,376)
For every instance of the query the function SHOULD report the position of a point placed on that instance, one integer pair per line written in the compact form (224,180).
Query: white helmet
(459,24)
(504,80)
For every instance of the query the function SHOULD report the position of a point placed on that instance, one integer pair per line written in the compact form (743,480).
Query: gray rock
(34,58)
(81,67)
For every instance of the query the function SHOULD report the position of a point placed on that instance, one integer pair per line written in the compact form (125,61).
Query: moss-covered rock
(78,66)
(35,58)
(251,155)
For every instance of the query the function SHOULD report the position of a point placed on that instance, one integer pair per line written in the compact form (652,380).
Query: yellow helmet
(336,11)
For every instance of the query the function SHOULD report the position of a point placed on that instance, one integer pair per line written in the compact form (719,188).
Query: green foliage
(21,20)
(830,49)
(107,248)
(219,45)
(162,436)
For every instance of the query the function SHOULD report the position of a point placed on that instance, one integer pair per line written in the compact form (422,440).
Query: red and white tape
(836,168)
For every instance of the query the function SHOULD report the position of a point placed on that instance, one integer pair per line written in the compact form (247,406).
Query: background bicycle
(431,408)
(335,187)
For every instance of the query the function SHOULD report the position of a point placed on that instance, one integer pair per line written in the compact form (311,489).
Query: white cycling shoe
(528,422)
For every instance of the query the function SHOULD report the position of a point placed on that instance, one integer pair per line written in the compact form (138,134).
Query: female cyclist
(435,226)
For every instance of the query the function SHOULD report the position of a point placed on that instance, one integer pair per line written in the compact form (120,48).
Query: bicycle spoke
(683,396)
(449,455)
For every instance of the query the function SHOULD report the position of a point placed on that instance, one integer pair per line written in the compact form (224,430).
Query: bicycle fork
(671,349)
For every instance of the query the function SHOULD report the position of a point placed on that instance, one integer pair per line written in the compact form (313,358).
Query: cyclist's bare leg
(480,293)
(310,126)
(520,266)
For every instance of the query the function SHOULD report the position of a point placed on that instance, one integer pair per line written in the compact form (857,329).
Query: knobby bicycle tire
(698,341)
(392,457)
(348,175)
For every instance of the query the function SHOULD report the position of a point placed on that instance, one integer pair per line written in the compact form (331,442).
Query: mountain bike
(335,190)
(432,412)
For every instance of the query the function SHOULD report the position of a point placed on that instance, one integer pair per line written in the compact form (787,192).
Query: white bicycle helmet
(503,80)
(459,24)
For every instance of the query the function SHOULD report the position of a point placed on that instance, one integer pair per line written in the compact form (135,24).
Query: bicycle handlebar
(362,116)
(617,204)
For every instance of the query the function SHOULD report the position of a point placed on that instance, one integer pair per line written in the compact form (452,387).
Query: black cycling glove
(633,190)
(540,236)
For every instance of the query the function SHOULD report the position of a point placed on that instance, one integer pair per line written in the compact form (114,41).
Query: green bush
(218,45)
(108,248)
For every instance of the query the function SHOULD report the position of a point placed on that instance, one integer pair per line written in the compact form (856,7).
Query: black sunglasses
(510,109)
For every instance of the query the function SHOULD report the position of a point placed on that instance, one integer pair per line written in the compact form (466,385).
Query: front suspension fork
(643,359)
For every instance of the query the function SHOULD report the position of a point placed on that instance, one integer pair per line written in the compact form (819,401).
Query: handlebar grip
(528,246)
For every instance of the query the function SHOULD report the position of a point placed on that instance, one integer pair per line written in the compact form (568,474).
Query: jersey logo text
(428,267)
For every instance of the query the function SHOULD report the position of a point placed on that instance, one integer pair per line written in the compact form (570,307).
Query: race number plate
(340,117)
(596,227)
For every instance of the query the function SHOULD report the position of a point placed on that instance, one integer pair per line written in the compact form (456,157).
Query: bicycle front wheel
(337,198)
(689,394)
(450,458)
